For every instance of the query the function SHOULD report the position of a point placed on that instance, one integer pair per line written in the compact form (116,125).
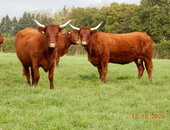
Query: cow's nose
(52,45)
(84,43)
(77,42)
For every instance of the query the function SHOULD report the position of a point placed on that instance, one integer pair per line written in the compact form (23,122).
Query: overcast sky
(18,7)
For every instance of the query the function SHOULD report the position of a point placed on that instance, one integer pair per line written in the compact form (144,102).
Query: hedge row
(9,44)
(161,50)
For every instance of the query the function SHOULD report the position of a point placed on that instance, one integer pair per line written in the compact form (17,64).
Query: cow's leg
(149,67)
(104,69)
(140,67)
(36,74)
(32,75)
(57,61)
(0,47)
(26,72)
(100,71)
(51,76)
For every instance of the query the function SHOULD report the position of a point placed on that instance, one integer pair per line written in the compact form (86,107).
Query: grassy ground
(81,101)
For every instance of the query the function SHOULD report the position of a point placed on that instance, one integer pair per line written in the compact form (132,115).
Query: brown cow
(65,41)
(1,42)
(116,48)
(37,48)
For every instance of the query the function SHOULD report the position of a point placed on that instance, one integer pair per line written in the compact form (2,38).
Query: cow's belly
(25,59)
(122,58)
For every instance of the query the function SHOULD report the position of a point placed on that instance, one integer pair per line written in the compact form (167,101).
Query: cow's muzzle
(52,45)
(78,42)
(84,43)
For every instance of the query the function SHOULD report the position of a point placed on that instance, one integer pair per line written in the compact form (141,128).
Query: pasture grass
(81,101)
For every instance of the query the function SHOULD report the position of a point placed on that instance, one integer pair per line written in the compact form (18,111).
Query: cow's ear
(78,31)
(41,30)
(94,31)
(60,29)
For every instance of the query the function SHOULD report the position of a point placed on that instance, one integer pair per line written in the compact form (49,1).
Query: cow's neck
(47,58)
(68,41)
(91,44)
(49,52)
(88,46)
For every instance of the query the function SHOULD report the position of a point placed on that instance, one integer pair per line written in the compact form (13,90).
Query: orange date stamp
(148,116)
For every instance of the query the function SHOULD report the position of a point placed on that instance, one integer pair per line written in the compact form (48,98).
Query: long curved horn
(95,28)
(62,26)
(76,28)
(39,24)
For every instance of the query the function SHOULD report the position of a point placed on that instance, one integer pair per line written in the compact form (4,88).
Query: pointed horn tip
(100,22)
(39,24)
(95,28)
(34,20)
(69,21)
(70,24)
(73,19)
(76,28)
(66,23)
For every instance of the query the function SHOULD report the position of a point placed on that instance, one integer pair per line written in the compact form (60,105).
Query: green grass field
(81,101)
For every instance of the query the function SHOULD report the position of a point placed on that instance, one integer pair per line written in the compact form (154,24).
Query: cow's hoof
(104,81)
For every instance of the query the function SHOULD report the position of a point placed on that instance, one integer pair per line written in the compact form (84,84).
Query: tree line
(9,27)
(151,16)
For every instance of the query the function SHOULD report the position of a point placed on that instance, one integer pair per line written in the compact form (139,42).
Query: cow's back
(26,45)
(122,48)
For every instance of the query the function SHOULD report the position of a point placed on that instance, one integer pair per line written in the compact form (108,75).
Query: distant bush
(162,50)
(9,44)
(76,50)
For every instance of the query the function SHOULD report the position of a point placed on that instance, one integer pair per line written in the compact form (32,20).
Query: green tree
(26,21)
(118,16)
(153,17)
(5,26)
(14,24)
(45,20)
(62,16)
(86,17)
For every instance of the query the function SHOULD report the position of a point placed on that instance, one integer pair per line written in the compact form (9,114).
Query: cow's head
(51,32)
(1,39)
(85,33)
(74,36)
